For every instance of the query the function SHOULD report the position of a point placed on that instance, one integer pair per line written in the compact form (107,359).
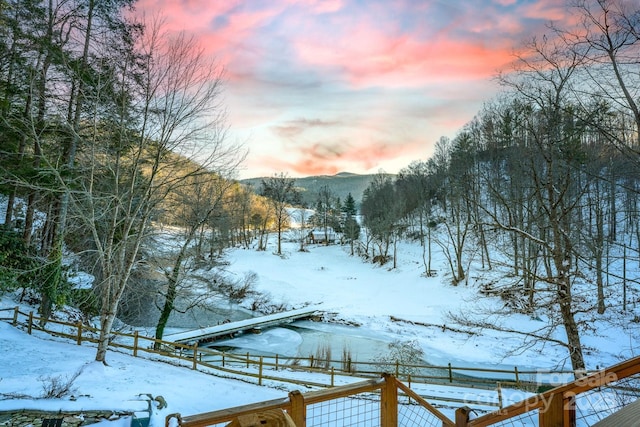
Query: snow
(344,287)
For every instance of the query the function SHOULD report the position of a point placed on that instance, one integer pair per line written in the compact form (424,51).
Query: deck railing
(388,402)
(582,402)
(384,402)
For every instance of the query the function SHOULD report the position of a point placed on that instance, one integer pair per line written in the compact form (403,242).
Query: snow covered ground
(346,288)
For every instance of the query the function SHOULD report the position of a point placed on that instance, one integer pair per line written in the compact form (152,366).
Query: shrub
(58,386)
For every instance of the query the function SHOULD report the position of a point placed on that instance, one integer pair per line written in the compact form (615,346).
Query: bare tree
(324,207)
(200,199)
(543,80)
(382,211)
(418,191)
(281,192)
(609,38)
(173,102)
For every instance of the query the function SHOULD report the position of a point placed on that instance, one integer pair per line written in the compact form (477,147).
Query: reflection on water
(340,340)
(194,318)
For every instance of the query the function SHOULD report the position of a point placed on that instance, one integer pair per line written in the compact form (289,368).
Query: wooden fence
(567,405)
(283,369)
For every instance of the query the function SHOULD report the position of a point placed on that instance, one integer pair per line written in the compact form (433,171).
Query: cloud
(320,6)
(293,128)
(320,86)
(334,155)
(369,56)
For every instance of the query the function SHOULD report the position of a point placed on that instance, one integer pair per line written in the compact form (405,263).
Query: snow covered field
(346,288)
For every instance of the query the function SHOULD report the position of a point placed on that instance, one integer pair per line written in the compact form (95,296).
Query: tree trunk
(167,309)
(106,324)
(571,328)
(172,288)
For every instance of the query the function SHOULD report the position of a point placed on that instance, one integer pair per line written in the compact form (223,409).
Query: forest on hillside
(544,181)
(110,127)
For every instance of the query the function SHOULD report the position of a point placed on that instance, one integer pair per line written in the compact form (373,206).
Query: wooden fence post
(389,402)
(260,372)
(462,416)
(195,356)
(247,360)
(79,337)
(276,362)
(332,376)
(30,325)
(298,410)
(450,373)
(135,344)
(15,315)
(517,377)
(559,410)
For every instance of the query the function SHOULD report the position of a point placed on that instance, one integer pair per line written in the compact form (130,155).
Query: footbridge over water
(256,323)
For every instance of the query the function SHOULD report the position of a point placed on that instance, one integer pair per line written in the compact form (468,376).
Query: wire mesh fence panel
(360,411)
(601,402)
(413,414)
(528,419)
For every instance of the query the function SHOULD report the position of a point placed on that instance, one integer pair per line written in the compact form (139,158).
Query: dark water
(194,318)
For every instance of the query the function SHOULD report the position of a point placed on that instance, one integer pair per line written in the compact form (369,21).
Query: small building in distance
(318,236)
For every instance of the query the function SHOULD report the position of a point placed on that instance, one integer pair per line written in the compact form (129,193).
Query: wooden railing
(556,407)
(262,368)
(374,402)
(560,406)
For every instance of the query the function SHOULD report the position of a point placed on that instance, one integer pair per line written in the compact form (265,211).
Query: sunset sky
(325,86)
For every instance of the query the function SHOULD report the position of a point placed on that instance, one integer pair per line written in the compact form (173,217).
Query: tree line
(544,182)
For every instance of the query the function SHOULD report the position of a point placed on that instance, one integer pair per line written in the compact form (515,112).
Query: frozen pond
(306,338)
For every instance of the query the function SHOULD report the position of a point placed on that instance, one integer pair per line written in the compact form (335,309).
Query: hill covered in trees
(340,185)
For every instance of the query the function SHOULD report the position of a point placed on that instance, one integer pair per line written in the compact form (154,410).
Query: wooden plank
(552,413)
(627,416)
(270,418)
(227,415)
(446,422)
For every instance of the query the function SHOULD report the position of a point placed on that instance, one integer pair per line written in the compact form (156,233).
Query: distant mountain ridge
(340,184)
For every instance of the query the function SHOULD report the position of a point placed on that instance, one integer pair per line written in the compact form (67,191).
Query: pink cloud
(548,10)
(342,61)
(370,57)
(320,6)
(224,29)
(187,15)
